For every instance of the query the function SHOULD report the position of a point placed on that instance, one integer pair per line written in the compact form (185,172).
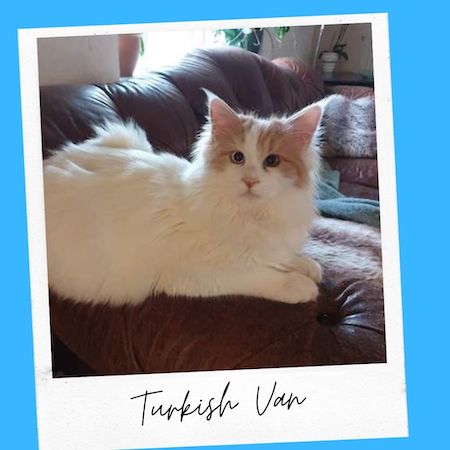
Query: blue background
(418,32)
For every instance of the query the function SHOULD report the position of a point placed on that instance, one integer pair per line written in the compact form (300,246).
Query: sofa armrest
(351,92)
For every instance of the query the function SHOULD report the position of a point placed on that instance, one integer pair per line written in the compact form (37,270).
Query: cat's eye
(272,161)
(237,158)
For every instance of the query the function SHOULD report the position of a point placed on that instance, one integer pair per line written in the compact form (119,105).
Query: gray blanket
(349,127)
(331,203)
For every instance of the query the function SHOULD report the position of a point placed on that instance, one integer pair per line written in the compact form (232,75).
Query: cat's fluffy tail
(121,135)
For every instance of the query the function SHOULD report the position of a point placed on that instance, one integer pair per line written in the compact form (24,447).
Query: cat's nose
(250,182)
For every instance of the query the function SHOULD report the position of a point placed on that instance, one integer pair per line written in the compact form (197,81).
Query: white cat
(124,222)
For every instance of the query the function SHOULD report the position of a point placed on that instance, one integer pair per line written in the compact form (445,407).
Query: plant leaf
(281,32)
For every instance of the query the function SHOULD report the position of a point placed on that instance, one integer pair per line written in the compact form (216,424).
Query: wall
(300,42)
(359,46)
(78,59)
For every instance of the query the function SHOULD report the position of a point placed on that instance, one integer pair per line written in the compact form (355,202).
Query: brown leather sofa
(166,334)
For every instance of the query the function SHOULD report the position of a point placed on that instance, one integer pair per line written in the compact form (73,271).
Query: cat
(124,222)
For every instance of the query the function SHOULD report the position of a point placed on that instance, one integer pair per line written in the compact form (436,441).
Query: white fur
(123,222)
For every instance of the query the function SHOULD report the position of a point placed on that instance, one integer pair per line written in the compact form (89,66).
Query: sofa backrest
(170,105)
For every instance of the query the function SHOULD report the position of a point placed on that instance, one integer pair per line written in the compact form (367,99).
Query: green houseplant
(335,52)
(249,38)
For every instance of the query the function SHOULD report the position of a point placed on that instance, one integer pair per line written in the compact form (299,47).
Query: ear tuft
(224,119)
(209,95)
(307,120)
(305,123)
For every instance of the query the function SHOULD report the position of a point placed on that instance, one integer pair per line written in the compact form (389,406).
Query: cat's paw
(299,289)
(309,267)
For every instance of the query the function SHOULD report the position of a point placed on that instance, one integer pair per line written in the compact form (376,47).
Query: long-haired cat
(124,222)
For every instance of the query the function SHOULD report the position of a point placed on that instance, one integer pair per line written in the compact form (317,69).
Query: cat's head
(259,159)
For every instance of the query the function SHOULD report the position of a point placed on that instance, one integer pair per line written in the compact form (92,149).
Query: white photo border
(342,402)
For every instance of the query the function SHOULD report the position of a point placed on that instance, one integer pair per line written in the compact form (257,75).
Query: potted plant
(249,38)
(336,51)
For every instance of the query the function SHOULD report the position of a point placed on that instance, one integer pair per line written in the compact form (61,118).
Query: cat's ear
(304,124)
(224,121)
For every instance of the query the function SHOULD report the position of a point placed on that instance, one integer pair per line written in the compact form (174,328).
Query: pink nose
(250,182)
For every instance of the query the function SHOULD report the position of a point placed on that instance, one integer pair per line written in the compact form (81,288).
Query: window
(165,48)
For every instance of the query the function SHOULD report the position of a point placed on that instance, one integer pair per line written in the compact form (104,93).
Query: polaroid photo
(212,227)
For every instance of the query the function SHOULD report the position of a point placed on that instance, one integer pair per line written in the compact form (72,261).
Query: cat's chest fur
(249,235)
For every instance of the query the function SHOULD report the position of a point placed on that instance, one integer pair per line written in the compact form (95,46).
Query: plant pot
(329,61)
(129,47)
